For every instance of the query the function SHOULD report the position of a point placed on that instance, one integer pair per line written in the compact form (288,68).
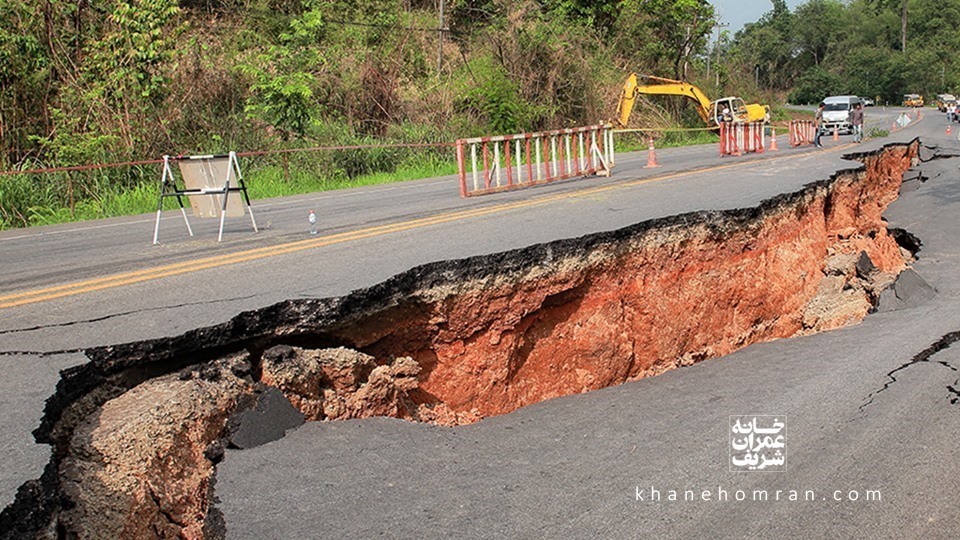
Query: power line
(391,26)
(249,153)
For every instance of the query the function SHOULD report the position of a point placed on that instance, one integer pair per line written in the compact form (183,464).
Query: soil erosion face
(138,430)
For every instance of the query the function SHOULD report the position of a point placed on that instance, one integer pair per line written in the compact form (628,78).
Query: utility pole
(717,47)
(903,28)
(440,42)
(710,53)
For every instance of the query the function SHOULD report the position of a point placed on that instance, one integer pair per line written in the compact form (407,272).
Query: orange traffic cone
(948,129)
(651,156)
(773,140)
(836,134)
(893,127)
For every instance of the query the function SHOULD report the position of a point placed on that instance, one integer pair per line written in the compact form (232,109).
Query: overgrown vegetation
(116,80)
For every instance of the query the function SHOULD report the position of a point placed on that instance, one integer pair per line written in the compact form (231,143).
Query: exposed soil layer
(138,430)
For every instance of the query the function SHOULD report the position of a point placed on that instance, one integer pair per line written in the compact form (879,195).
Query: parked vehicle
(912,100)
(836,113)
(867,102)
(943,100)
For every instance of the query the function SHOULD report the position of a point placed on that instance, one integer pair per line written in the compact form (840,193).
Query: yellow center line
(157,272)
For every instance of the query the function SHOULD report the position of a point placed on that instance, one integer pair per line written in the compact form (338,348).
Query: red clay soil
(669,297)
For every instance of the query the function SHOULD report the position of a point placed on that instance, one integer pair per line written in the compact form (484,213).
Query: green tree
(819,26)
(597,14)
(283,77)
(769,45)
(816,84)
(25,68)
(112,65)
(662,35)
(896,5)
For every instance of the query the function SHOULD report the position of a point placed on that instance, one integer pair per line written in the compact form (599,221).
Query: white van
(836,113)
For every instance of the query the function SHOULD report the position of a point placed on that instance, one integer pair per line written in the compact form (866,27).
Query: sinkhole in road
(137,432)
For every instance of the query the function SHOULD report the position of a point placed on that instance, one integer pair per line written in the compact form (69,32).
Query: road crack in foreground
(43,354)
(121,314)
(924,356)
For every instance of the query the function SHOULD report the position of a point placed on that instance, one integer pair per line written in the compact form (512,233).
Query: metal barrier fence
(739,138)
(801,132)
(528,159)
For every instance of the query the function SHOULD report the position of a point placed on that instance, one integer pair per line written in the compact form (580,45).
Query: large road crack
(42,354)
(955,390)
(101,319)
(464,319)
(122,314)
(939,152)
(924,356)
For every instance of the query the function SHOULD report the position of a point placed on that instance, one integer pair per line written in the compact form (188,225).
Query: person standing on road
(856,118)
(818,125)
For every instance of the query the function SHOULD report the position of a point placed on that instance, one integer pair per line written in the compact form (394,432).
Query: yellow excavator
(713,112)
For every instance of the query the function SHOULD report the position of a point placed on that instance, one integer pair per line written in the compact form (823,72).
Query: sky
(740,12)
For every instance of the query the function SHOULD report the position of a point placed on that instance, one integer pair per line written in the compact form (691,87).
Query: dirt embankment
(138,431)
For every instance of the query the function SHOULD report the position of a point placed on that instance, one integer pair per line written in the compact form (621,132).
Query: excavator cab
(736,110)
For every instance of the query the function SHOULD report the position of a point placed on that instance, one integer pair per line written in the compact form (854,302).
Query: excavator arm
(662,87)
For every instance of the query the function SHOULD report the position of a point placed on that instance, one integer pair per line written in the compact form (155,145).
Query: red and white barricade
(739,138)
(754,137)
(524,160)
(729,142)
(801,132)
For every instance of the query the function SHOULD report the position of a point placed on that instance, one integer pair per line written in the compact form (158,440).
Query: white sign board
(211,174)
